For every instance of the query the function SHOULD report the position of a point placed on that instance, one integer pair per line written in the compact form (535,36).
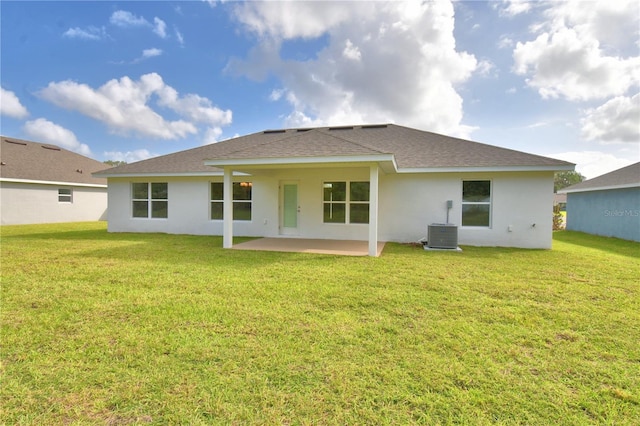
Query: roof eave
(51,182)
(484,169)
(161,174)
(600,188)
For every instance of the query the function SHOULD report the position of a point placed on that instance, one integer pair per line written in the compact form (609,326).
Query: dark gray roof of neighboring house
(626,177)
(27,160)
(411,148)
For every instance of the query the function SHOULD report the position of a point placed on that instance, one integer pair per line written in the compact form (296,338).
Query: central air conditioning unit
(442,236)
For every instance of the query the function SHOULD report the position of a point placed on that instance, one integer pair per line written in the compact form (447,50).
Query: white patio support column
(227,209)
(373,210)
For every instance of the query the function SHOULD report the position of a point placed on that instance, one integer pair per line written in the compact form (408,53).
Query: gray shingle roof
(412,149)
(625,177)
(26,160)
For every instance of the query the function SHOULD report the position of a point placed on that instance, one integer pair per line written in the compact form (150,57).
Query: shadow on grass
(596,242)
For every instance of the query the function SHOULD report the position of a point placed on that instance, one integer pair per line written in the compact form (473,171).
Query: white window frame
(476,203)
(149,200)
(347,202)
(221,201)
(65,198)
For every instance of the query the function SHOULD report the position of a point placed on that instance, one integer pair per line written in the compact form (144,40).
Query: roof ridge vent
(51,147)
(267,132)
(302,130)
(374,126)
(15,142)
(341,128)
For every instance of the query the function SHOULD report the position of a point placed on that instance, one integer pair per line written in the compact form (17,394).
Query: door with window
(289,208)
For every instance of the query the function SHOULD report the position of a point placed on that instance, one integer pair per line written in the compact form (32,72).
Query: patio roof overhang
(374,163)
(386,162)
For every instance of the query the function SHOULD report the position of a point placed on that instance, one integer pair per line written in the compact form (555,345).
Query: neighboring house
(372,183)
(560,200)
(41,183)
(607,205)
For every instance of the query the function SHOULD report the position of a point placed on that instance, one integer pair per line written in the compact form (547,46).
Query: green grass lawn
(122,329)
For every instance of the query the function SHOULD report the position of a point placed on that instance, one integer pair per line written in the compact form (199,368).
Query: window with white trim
(242,201)
(150,200)
(345,202)
(65,195)
(476,203)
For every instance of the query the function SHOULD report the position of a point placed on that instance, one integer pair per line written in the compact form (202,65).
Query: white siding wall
(408,204)
(25,203)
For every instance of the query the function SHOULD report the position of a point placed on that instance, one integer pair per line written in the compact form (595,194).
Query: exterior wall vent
(443,236)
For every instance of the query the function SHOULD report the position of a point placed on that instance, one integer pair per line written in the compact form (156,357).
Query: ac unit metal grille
(441,235)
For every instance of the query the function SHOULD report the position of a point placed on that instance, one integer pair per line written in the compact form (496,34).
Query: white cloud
(126,19)
(129,156)
(90,33)
(146,54)
(579,53)
(179,37)
(351,52)
(613,23)
(276,94)
(584,52)
(593,163)
(538,124)
(124,106)
(150,53)
(618,120)
(514,7)
(160,27)
(294,19)
(123,18)
(193,107)
(10,105)
(46,131)
(212,135)
(384,62)
(485,68)
(505,42)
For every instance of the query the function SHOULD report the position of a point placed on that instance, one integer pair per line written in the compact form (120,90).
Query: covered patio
(305,245)
(371,165)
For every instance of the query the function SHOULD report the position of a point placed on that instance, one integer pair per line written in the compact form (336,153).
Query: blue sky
(130,80)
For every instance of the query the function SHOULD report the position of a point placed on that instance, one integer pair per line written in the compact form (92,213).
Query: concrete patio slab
(304,245)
